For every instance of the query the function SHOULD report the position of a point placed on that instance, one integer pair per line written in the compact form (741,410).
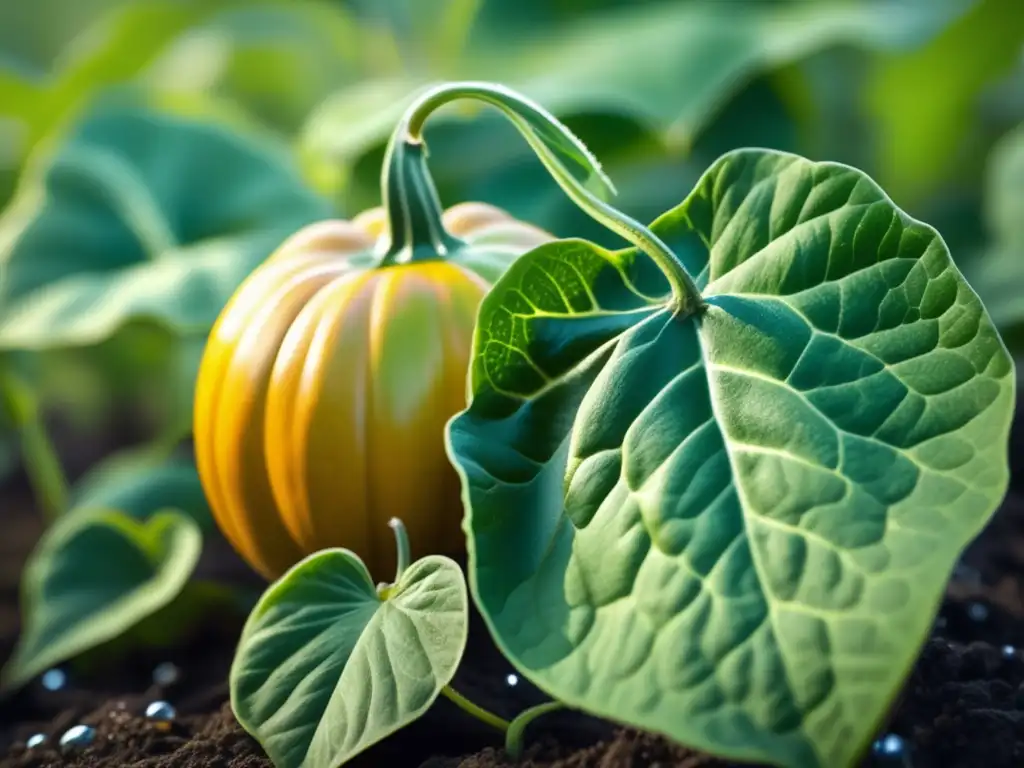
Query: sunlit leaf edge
(145,600)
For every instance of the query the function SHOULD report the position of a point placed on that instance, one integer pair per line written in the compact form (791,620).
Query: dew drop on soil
(166,674)
(1009,651)
(54,679)
(512,680)
(889,746)
(35,740)
(977,611)
(160,712)
(77,736)
(892,750)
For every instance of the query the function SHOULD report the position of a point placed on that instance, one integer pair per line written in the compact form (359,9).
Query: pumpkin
(328,378)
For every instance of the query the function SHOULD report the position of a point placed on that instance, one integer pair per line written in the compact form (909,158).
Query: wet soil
(962,706)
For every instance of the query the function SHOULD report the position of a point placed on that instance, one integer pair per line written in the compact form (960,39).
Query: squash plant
(714,483)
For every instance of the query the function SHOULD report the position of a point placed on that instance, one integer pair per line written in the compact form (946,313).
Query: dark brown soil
(962,707)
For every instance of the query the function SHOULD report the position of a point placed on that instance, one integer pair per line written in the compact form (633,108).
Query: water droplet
(77,736)
(512,680)
(166,674)
(54,679)
(891,745)
(35,740)
(977,611)
(1009,651)
(160,712)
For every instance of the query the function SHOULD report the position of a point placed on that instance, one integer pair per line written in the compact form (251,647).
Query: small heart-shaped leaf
(326,668)
(141,215)
(94,575)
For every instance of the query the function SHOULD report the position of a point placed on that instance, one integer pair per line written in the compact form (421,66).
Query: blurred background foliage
(152,152)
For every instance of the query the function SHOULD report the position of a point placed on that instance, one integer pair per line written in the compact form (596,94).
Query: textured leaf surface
(141,215)
(325,669)
(734,527)
(94,575)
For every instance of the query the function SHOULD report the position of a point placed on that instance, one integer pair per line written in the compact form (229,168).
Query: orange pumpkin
(327,381)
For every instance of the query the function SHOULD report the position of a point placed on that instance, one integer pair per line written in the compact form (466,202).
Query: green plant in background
(997,272)
(105,233)
(104,238)
(640,84)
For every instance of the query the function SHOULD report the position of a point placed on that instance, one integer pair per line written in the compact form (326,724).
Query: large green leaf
(141,215)
(94,575)
(326,668)
(733,527)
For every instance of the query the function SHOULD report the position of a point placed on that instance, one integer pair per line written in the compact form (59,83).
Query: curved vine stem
(470,708)
(557,147)
(517,728)
(42,465)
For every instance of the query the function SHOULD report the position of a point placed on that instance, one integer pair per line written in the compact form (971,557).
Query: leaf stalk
(558,148)
(42,464)
(470,708)
(517,728)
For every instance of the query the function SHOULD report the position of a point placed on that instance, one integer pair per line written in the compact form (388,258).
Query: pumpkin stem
(411,204)
(559,149)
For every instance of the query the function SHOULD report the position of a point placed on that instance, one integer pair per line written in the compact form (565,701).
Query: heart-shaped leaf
(733,527)
(94,575)
(143,482)
(141,215)
(326,668)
